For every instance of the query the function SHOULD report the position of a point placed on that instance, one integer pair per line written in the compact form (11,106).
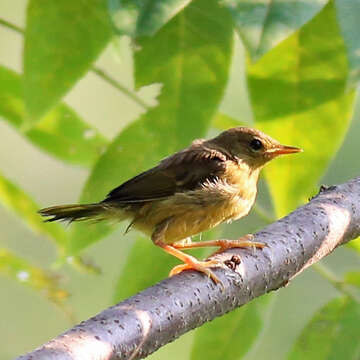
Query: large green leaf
(61,132)
(19,202)
(62,39)
(144,17)
(191,58)
(231,336)
(262,24)
(27,274)
(298,96)
(332,334)
(348,15)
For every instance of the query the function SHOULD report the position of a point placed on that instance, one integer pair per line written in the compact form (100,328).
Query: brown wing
(185,170)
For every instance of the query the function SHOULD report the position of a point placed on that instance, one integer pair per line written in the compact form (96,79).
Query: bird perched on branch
(210,182)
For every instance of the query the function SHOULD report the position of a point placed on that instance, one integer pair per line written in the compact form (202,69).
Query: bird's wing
(185,170)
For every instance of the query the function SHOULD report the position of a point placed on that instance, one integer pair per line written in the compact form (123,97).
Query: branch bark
(152,318)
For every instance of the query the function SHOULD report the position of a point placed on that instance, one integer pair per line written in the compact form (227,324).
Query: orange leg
(223,243)
(191,263)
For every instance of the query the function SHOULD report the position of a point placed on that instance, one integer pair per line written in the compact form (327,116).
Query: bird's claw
(201,266)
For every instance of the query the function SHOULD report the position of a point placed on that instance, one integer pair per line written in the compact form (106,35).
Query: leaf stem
(101,73)
(11,26)
(117,85)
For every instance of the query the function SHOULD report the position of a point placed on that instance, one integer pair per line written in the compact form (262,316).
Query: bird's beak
(283,149)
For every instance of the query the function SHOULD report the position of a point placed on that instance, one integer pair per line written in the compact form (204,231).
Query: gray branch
(152,318)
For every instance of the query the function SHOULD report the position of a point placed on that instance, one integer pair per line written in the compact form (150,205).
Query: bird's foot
(244,241)
(201,266)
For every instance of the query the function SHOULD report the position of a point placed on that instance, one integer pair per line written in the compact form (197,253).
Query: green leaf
(264,24)
(354,245)
(348,15)
(298,96)
(20,203)
(353,278)
(332,334)
(61,132)
(223,122)
(36,278)
(143,17)
(231,336)
(62,39)
(193,68)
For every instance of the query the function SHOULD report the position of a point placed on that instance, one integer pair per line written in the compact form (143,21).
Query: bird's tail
(76,212)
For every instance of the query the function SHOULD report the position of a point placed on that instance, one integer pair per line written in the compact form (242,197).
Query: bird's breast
(187,213)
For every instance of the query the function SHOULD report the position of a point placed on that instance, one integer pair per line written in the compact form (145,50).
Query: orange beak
(283,149)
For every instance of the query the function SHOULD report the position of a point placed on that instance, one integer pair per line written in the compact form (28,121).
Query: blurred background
(27,318)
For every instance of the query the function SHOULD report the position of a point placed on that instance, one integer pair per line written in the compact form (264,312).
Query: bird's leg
(190,262)
(244,241)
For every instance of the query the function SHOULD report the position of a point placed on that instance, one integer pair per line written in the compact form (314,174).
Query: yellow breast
(193,212)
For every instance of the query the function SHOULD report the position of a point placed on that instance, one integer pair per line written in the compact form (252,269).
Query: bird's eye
(256,144)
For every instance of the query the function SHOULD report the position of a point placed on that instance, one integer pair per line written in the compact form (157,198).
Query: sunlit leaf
(38,279)
(348,15)
(61,132)
(354,245)
(144,17)
(193,68)
(223,122)
(231,336)
(298,96)
(62,39)
(262,24)
(332,334)
(353,278)
(20,203)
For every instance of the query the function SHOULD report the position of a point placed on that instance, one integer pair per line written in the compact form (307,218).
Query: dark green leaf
(191,58)
(61,132)
(19,202)
(264,24)
(26,274)
(348,15)
(231,336)
(298,96)
(143,17)
(62,39)
(332,334)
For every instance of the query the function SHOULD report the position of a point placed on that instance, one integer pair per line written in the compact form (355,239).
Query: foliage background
(68,131)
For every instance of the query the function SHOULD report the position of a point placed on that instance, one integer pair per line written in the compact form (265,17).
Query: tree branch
(143,323)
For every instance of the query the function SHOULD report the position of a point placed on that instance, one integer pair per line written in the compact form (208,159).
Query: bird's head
(252,146)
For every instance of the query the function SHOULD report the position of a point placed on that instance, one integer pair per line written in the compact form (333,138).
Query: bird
(208,183)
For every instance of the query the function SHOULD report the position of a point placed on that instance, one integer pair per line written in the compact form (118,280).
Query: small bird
(208,183)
